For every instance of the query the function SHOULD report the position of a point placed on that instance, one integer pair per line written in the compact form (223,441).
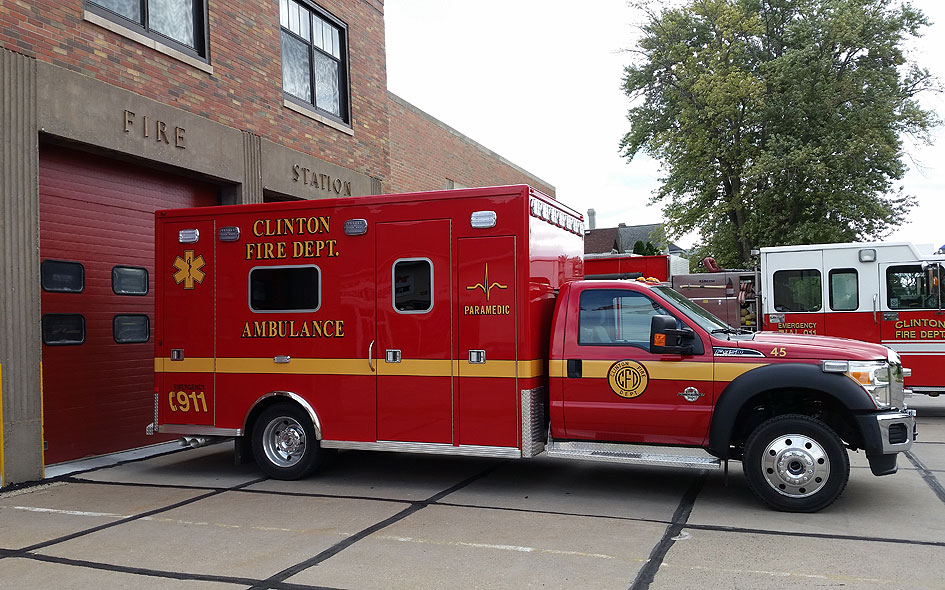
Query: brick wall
(426,152)
(245,89)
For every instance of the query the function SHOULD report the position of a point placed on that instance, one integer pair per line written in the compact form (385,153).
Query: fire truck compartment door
(414,326)
(487,409)
(185,361)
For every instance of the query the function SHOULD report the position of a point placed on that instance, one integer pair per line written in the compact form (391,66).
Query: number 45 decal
(778,352)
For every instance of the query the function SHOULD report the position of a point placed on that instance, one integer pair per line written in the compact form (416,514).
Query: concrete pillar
(21,427)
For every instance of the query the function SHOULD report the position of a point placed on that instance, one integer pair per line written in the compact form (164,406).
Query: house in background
(620,239)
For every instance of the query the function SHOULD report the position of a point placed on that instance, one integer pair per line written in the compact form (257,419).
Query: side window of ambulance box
(616,318)
(412,281)
(798,290)
(844,289)
(912,287)
(284,289)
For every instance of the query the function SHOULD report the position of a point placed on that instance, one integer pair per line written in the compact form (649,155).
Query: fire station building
(112,109)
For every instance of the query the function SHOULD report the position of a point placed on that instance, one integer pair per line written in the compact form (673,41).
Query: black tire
(796,463)
(284,444)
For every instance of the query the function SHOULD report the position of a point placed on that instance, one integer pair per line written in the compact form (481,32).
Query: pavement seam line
(927,475)
(168,574)
(706,527)
(648,572)
(364,533)
(133,518)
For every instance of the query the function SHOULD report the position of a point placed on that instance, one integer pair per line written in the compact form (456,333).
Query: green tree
(777,121)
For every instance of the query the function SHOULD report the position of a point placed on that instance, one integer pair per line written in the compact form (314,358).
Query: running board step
(630,453)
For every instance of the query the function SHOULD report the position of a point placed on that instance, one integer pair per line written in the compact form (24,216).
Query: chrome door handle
(370,355)
(875,297)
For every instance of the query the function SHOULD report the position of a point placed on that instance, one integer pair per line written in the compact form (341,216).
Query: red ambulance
(457,322)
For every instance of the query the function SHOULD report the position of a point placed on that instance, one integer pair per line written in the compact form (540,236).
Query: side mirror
(666,339)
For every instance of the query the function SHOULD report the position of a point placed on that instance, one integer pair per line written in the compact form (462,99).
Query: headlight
(874,377)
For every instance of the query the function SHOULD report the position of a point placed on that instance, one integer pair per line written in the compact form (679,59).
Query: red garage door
(97,252)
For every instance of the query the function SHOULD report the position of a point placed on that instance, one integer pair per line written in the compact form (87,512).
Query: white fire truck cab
(888,293)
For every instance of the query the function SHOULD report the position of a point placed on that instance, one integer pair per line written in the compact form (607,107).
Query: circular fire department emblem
(628,378)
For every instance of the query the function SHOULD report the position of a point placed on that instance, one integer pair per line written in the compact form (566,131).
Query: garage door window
(131,329)
(62,276)
(129,280)
(63,329)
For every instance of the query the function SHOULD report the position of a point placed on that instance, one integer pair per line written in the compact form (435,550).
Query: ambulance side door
(414,332)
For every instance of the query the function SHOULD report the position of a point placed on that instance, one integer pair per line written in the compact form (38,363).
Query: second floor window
(179,21)
(314,59)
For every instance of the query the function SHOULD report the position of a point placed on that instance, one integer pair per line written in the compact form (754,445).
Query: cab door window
(611,317)
(910,286)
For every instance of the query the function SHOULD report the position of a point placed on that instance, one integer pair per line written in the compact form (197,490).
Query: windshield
(703,318)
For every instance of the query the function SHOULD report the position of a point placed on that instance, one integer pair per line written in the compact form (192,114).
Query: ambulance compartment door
(487,412)
(414,327)
(184,367)
(794,292)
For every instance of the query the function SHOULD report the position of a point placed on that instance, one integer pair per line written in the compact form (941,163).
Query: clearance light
(482,219)
(230,233)
(188,236)
(555,216)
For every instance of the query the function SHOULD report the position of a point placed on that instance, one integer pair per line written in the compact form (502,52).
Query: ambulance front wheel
(284,443)
(796,463)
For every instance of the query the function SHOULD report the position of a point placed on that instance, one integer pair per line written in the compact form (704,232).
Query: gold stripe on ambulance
(295,366)
(677,370)
(521,369)
(188,365)
(307,366)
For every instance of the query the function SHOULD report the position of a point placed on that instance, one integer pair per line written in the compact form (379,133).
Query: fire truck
(458,322)
(888,293)
(632,266)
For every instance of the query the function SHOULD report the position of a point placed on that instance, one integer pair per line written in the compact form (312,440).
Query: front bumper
(885,435)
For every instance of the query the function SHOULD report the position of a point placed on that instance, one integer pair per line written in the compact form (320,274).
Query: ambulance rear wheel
(284,443)
(796,463)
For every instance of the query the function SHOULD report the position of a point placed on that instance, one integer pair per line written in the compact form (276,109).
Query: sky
(539,83)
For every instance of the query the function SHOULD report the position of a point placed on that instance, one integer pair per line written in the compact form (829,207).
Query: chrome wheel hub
(284,441)
(795,465)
